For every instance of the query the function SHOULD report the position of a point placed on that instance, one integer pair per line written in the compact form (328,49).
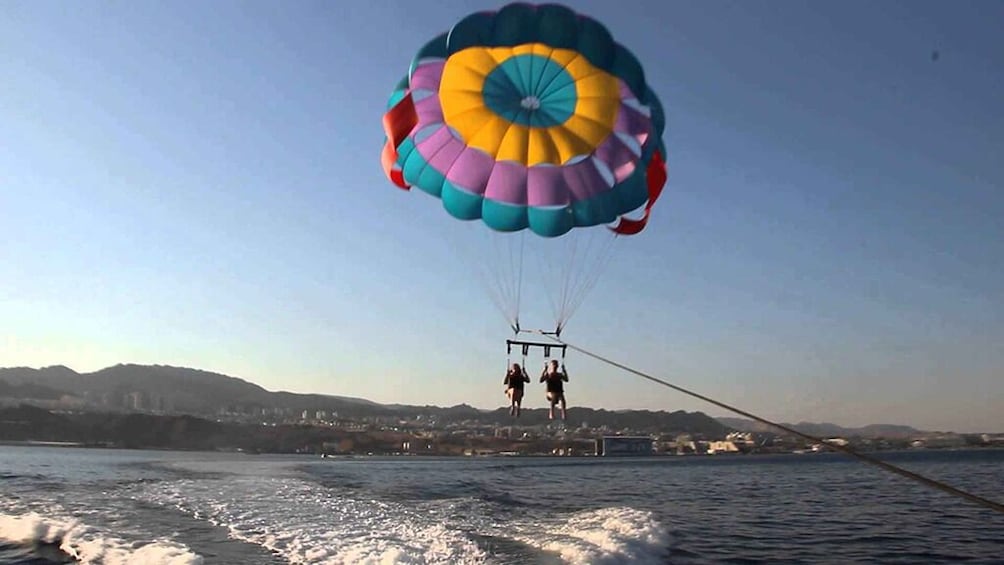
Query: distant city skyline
(126,398)
(199,185)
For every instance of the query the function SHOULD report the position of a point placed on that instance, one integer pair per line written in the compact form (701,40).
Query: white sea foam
(91,545)
(605,536)
(306,524)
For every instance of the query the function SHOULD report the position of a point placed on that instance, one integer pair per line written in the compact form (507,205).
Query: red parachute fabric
(656,175)
(397,124)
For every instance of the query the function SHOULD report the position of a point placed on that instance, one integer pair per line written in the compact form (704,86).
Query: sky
(199,184)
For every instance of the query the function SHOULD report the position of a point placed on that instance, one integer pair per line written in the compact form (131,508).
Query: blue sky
(198,184)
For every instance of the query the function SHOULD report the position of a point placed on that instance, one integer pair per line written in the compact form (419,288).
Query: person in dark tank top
(554,380)
(514,379)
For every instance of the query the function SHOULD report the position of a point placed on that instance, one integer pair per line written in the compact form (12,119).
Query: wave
(87,544)
(304,524)
(13,476)
(606,536)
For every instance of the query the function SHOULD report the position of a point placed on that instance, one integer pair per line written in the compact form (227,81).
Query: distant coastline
(164,407)
(27,425)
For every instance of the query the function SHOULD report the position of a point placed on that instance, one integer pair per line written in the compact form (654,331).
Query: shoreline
(238,451)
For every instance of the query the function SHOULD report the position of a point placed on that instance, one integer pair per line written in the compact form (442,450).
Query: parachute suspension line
(484,260)
(573,268)
(519,284)
(567,281)
(506,283)
(927,481)
(559,272)
(592,272)
(569,267)
(547,272)
(515,281)
(494,288)
(502,279)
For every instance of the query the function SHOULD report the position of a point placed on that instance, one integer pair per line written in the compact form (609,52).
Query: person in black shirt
(514,379)
(555,388)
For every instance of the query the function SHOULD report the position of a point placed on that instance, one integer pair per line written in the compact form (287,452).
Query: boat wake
(605,536)
(304,524)
(87,544)
(301,522)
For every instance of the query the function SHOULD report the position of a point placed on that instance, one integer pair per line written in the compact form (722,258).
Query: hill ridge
(185,390)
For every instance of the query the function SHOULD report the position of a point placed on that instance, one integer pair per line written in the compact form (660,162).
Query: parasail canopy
(529,118)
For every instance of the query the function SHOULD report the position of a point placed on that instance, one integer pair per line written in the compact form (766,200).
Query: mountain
(162,387)
(179,390)
(57,377)
(825,429)
(28,390)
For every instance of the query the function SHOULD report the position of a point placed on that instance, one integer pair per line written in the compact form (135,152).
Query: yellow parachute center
(461,96)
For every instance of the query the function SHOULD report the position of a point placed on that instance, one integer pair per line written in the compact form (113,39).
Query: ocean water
(65,505)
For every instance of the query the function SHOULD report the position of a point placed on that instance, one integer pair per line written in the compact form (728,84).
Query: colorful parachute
(531,117)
